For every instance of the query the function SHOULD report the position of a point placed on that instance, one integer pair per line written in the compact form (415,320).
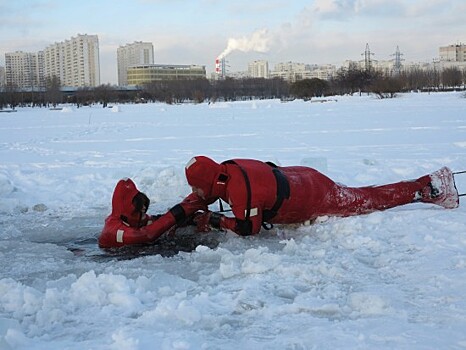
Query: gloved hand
(190,220)
(193,203)
(202,222)
(208,220)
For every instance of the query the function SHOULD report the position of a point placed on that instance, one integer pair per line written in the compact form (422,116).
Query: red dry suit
(261,192)
(125,226)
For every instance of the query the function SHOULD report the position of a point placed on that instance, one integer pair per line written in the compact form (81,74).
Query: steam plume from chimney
(259,42)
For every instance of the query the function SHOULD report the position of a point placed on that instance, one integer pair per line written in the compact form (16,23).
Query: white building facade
(24,70)
(75,62)
(2,77)
(453,53)
(452,56)
(135,54)
(259,69)
(292,71)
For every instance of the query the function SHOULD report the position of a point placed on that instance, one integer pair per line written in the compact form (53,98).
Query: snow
(389,280)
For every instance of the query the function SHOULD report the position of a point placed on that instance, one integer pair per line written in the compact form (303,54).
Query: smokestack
(217,65)
(220,67)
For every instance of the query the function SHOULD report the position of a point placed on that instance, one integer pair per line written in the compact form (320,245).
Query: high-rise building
(453,53)
(259,69)
(75,62)
(135,54)
(2,77)
(24,70)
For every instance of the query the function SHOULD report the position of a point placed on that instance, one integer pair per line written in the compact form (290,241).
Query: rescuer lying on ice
(261,194)
(129,222)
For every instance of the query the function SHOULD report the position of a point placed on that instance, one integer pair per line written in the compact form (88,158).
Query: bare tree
(12,95)
(104,94)
(353,79)
(452,77)
(386,87)
(308,88)
(53,90)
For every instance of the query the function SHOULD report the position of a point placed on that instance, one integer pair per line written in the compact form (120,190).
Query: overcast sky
(197,31)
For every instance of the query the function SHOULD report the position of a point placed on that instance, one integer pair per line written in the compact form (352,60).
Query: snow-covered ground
(388,280)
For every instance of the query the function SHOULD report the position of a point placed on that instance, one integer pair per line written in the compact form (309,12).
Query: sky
(198,31)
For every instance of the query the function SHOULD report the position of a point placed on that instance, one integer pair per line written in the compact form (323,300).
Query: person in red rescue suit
(262,194)
(129,223)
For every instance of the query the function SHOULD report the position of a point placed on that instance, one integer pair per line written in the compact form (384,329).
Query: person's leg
(437,188)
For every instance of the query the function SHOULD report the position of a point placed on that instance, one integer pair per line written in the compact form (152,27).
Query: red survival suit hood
(122,204)
(202,172)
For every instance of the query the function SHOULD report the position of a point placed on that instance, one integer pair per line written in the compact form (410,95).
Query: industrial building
(145,74)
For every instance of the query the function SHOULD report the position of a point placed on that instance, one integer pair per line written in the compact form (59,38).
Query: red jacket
(135,230)
(285,195)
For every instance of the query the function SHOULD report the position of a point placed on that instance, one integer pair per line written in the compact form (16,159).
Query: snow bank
(388,280)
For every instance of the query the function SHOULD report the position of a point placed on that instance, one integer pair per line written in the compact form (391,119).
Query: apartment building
(292,71)
(323,72)
(24,70)
(135,54)
(453,53)
(259,69)
(75,61)
(144,74)
(2,77)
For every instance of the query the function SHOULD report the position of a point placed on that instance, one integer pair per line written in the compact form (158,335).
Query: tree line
(346,81)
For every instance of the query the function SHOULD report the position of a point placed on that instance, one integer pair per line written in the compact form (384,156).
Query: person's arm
(177,215)
(242,227)
(117,234)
